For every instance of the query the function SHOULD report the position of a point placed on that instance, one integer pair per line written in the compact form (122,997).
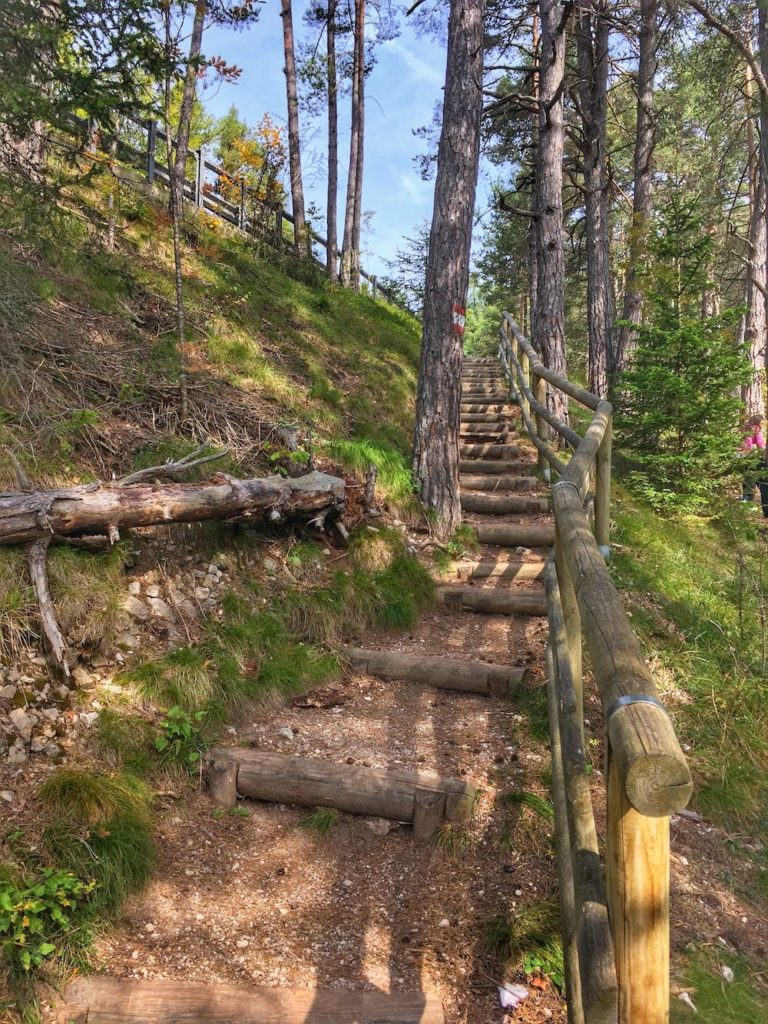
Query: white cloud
(421,69)
(414,188)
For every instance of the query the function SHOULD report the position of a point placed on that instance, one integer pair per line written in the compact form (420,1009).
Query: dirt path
(255,898)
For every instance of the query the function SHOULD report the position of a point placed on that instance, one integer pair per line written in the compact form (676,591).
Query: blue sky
(402,91)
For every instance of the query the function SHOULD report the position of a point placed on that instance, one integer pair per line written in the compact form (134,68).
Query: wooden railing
(615,922)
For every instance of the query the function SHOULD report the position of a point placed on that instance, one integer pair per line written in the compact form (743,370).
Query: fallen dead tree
(105,509)
(92,515)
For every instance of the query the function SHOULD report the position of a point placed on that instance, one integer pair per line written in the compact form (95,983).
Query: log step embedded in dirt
(502,504)
(514,535)
(501,570)
(490,451)
(283,779)
(495,466)
(481,417)
(501,408)
(100,999)
(493,602)
(445,673)
(500,483)
(485,427)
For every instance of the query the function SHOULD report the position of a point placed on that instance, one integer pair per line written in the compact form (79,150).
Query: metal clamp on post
(632,698)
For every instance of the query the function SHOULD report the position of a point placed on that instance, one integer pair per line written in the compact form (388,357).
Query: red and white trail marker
(459,318)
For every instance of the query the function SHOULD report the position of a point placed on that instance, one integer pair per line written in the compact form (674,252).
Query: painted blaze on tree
(436,437)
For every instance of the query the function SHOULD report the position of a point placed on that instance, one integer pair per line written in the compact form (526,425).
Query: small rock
(726,972)
(53,751)
(242,943)
(159,608)
(8,692)
(136,608)
(286,732)
(149,927)
(270,564)
(347,883)
(89,718)
(51,714)
(17,754)
(445,923)
(380,826)
(22,722)
(202,593)
(153,590)
(134,587)
(38,745)
(6,795)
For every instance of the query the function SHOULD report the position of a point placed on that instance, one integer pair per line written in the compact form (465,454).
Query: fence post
(241,211)
(279,227)
(637,854)
(151,147)
(572,619)
(603,488)
(199,174)
(375,286)
(542,427)
(525,366)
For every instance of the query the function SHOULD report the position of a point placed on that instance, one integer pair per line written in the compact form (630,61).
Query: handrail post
(637,854)
(542,427)
(525,366)
(151,146)
(199,174)
(603,488)
(572,619)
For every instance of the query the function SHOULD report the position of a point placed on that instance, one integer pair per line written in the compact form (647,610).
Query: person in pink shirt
(753,448)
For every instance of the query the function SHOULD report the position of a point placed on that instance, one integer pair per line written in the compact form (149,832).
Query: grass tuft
(538,804)
(320,820)
(452,839)
(527,940)
(85,797)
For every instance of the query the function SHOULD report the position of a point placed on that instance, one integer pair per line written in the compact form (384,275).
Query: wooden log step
(493,602)
(501,570)
(482,394)
(497,483)
(483,417)
(490,451)
(100,999)
(514,535)
(445,673)
(487,427)
(499,408)
(502,504)
(283,779)
(495,466)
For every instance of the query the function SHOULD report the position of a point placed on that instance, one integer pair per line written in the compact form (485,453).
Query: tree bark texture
(533,253)
(357,218)
(106,508)
(436,437)
(592,35)
(642,210)
(333,143)
(349,258)
(301,240)
(755,325)
(549,326)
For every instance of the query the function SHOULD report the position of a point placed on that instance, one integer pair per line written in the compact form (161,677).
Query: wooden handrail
(615,935)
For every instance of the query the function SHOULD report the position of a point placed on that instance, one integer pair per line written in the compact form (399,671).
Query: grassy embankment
(89,389)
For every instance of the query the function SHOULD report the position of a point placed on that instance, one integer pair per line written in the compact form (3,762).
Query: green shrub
(679,406)
(37,914)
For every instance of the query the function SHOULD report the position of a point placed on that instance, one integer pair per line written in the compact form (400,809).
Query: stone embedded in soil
(134,587)
(159,608)
(135,608)
(22,722)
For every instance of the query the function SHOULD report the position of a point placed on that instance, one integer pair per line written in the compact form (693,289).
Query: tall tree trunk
(549,326)
(592,36)
(358,211)
(294,138)
(755,323)
(533,262)
(348,259)
(436,437)
(177,164)
(333,144)
(645,137)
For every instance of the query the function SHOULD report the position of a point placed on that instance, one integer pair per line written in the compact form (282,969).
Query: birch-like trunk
(358,210)
(349,258)
(755,321)
(301,239)
(642,210)
(436,437)
(592,37)
(333,143)
(549,326)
